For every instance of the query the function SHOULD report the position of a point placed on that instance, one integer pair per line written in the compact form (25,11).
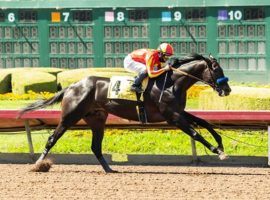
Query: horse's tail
(43,103)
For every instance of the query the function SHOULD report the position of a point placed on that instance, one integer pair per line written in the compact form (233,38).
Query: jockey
(148,62)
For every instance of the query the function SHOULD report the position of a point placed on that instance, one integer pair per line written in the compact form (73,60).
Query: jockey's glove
(167,68)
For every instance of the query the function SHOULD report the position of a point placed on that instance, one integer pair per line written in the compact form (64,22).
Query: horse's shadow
(192,173)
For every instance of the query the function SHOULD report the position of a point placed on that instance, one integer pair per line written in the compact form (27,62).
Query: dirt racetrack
(134,182)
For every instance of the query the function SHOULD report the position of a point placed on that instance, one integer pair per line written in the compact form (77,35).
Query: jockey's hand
(167,68)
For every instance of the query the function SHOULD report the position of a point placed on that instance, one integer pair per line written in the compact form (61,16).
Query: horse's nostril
(227,89)
(227,92)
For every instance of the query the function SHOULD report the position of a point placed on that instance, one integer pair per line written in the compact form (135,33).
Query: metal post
(29,138)
(194,151)
(268,145)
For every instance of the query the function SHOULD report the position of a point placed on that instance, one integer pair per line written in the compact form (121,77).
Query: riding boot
(137,85)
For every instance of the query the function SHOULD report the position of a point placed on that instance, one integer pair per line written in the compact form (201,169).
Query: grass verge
(167,142)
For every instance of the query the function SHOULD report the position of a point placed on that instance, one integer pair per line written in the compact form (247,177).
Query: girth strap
(140,110)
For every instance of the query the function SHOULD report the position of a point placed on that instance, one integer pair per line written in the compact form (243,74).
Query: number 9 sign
(177,15)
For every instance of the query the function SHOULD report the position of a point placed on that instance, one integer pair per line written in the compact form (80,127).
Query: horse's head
(213,74)
(206,70)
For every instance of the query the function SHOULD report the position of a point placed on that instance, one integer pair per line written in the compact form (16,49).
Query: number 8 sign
(120,16)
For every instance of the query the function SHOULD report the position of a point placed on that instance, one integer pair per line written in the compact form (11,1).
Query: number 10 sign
(229,15)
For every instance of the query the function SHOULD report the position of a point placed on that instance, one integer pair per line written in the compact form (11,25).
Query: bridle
(214,85)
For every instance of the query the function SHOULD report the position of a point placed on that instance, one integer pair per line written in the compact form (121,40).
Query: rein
(191,76)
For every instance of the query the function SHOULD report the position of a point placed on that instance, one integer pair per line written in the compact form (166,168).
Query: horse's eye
(215,69)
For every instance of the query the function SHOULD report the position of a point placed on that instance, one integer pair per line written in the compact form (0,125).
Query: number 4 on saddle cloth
(119,88)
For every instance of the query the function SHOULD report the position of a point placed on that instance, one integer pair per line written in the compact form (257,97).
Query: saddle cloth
(119,88)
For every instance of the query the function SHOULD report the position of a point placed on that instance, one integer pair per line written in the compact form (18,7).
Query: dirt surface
(134,182)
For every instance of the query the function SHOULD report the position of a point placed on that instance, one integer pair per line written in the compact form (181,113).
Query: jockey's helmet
(166,50)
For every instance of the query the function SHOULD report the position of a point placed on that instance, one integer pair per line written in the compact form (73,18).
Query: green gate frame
(98,41)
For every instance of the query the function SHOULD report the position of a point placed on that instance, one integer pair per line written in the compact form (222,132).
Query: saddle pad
(119,88)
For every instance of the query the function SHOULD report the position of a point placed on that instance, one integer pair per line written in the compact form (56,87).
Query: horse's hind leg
(76,103)
(96,120)
(69,118)
(58,132)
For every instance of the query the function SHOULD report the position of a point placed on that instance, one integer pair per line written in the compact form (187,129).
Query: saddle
(119,88)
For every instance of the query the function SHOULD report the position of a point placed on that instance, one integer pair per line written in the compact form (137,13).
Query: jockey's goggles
(164,55)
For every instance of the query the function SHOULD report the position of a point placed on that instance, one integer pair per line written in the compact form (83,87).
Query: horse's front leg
(201,122)
(179,120)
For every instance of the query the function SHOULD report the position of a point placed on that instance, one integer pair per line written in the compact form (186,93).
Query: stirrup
(136,89)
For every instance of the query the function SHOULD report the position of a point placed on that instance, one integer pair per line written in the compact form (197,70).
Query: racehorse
(164,100)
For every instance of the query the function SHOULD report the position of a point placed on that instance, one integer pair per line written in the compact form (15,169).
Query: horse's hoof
(111,171)
(223,156)
(42,166)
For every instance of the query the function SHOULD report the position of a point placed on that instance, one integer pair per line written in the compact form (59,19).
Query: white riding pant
(133,66)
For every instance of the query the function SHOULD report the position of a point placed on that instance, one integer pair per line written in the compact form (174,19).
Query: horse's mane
(177,62)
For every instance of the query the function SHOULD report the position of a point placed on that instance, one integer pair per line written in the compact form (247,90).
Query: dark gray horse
(87,100)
